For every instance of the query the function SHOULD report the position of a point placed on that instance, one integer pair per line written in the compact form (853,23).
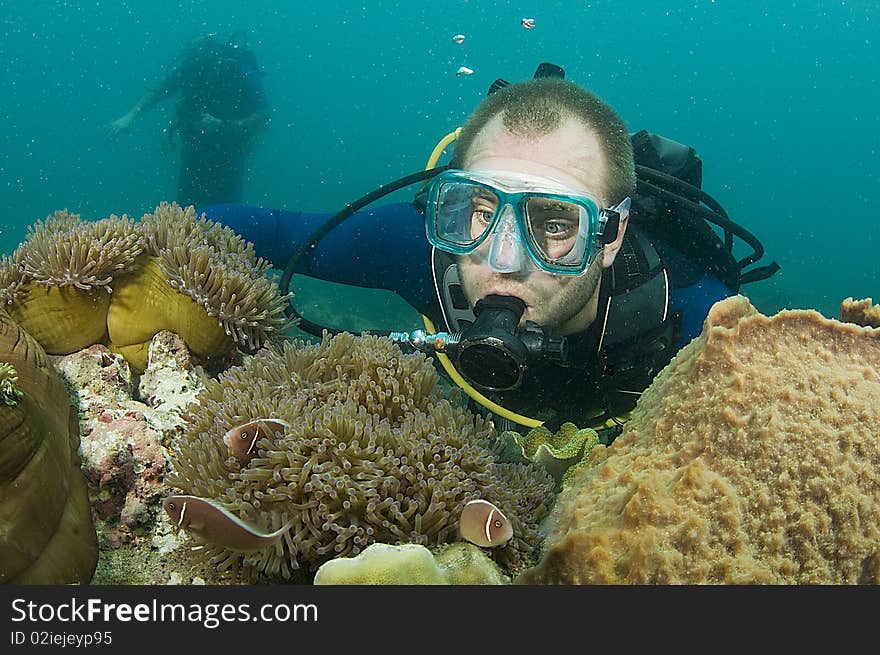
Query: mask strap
(609,221)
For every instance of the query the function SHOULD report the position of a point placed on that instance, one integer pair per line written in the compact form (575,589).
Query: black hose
(332,222)
(715,214)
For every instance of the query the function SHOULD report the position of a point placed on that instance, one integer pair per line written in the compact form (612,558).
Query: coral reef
(374,452)
(47,534)
(753,458)
(123,439)
(412,564)
(129,430)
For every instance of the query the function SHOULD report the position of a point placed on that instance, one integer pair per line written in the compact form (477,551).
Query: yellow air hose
(441,146)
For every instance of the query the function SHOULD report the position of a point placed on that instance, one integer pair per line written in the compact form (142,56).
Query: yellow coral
(559,453)
(383,564)
(459,563)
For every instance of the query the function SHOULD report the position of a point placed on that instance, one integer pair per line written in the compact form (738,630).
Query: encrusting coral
(374,451)
(460,563)
(200,280)
(383,564)
(46,530)
(753,458)
(57,283)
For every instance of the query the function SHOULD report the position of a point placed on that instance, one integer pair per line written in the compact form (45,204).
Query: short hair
(539,106)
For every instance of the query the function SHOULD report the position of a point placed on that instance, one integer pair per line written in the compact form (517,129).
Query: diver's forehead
(571,154)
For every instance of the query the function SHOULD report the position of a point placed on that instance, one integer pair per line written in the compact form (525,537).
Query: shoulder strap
(636,290)
(638,335)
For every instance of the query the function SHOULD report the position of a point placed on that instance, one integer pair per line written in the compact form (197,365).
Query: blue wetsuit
(386,248)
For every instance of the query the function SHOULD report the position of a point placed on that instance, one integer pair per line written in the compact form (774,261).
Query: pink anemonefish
(483,524)
(242,439)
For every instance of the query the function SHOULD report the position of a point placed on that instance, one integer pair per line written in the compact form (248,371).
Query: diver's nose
(506,249)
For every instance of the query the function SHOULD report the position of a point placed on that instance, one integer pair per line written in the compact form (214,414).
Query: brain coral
(374,453)
(753,458)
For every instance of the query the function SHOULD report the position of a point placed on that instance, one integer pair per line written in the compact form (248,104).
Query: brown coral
(861,312)
(753,458)
(374,452)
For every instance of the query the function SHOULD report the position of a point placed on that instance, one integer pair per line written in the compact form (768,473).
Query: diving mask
(556,226)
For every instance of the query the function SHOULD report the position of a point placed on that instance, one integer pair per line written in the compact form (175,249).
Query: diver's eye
(558,228)
(482,216)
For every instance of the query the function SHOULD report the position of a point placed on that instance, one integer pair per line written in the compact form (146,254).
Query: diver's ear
(615,228)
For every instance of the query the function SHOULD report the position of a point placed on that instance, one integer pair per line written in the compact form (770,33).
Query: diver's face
(563,303)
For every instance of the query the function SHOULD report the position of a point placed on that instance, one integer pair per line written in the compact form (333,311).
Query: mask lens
(557,229)
(463,213)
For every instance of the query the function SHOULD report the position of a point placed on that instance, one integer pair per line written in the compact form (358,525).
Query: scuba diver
(221,106)
(558,277)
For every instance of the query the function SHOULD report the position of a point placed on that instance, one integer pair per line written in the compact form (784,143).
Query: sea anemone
(57,283)
(372,451)
(46,530)
(10,392)
(200,280)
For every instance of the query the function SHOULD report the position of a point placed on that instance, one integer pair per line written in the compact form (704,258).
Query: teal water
(780,99)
